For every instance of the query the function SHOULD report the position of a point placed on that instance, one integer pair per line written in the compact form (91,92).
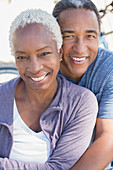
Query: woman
(46,122)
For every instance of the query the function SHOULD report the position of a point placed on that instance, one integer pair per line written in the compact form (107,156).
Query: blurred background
(9,9)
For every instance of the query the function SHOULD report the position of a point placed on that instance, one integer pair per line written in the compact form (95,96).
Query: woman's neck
(44,97)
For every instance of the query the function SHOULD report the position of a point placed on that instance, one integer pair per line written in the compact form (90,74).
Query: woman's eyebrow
(22,52)
(43,48)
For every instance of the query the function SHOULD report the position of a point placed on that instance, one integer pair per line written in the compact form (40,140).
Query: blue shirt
(99,79)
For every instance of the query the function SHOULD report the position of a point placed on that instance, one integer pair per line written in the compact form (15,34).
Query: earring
(61,59)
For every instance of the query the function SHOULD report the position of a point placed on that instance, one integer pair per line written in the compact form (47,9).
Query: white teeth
(79,59)
(38,79)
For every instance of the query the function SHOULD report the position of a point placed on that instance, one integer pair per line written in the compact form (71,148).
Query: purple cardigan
(68,123)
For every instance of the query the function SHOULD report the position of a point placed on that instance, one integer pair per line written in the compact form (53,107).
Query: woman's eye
(21,58)
(45,53)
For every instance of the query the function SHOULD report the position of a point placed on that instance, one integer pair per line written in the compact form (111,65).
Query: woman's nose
(35,65)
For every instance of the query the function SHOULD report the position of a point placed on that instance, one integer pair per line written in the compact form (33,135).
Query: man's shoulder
(105,54)
(103,63)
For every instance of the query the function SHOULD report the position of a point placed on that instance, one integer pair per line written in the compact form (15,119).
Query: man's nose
(79,45)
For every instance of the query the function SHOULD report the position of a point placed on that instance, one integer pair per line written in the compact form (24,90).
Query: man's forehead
(70,12)
(73,18)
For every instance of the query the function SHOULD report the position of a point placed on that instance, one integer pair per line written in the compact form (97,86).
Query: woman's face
(36,55)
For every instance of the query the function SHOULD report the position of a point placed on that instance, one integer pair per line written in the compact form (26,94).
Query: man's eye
(91,36)
(68,36)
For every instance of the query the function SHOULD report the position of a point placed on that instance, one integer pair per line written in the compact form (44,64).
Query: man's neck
(69,75)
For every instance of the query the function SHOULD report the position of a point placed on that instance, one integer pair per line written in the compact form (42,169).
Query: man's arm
(100,153)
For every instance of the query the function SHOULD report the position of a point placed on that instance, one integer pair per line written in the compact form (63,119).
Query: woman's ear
(61,53)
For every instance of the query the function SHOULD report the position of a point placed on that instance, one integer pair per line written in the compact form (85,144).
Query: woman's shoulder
(77,100)
(9,87)
(74,91)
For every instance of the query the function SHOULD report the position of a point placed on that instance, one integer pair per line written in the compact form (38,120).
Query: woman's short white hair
(36,16)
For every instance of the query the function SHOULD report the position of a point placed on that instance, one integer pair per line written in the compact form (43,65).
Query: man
(86,64)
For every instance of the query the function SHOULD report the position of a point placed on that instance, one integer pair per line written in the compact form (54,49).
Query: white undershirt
(28,146)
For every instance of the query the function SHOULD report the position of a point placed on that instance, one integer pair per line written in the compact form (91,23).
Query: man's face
(80,31)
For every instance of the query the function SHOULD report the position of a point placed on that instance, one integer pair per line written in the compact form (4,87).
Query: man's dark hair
(76,4)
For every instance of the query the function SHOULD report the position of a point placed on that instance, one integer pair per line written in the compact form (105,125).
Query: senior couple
(48,113)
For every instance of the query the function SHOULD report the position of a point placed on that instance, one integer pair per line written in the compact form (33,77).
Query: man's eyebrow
(87,31)
(67,31)
(92,31)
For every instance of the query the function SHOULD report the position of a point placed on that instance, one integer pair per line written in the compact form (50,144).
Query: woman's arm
(73,142)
